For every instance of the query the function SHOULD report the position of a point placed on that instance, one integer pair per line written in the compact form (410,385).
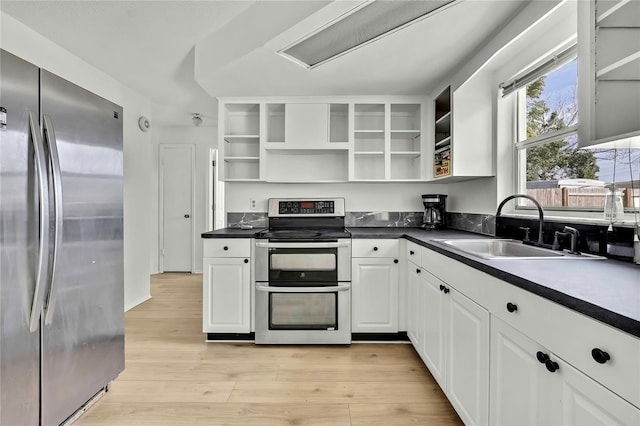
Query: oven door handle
(301,245)
(328,289)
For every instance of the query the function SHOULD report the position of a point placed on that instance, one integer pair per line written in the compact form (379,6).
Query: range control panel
(306,207)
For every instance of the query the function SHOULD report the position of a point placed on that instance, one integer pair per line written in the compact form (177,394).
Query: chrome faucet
(534,201)
(573,232)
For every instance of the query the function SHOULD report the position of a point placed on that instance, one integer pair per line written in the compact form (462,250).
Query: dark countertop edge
(231,233)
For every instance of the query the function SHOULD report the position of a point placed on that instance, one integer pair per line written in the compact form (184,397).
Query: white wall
(359,196)
(204,138)
(31,46)
(537,30)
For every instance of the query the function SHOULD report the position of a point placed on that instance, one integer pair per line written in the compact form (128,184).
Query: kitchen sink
(509,249)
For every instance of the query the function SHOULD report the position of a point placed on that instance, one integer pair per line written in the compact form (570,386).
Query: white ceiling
(182,54)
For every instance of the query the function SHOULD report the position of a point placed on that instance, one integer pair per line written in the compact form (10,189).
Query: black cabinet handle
(552,366)
(512,307)
(600,356)
(395,260)
(446,290)
(411,252)
(441,287)
(186,216)
(225,248)
(542,357)
(375,249)
(246,261)
(417,271)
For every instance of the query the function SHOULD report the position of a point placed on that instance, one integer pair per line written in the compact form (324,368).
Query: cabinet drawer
(375,248)
(227,247)
(414,253)
(573,336)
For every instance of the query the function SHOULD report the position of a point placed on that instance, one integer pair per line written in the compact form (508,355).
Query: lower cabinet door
(467,362)
(583,401)
(374,295)
(434,305)
(517,388)
(413,277)
(226,295)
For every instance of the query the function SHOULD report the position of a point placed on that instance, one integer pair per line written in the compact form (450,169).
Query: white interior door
(177,198)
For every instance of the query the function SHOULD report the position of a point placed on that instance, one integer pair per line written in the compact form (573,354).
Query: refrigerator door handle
(43,194)
(52,143)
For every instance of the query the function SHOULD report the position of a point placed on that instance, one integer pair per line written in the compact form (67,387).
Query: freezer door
(83,332)
(19,224)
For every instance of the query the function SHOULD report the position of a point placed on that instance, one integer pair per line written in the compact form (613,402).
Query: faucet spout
(537,204)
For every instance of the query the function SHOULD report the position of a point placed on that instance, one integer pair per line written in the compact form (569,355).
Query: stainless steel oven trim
(327,289)
(341,336)
(338,207)
(343,259)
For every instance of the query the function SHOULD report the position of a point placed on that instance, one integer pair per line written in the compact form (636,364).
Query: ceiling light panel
(366,24)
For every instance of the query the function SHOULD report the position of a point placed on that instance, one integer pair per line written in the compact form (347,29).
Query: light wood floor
(172,377)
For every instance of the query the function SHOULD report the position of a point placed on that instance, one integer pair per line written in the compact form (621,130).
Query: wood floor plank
(436,414)
(218,414)
(173,377)
(334,392)
(137,391)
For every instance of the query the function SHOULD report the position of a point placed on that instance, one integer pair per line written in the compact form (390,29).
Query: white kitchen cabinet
(525,391)
(374,295)
(455,347)
(608,71)
(413,280)
(227,286)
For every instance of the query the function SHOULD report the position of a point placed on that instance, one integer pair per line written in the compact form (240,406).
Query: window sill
(586,218)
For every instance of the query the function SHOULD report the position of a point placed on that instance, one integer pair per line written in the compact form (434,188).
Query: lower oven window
(303,311)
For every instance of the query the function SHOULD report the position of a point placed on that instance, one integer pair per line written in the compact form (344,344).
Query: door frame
(161,151)
(216,218)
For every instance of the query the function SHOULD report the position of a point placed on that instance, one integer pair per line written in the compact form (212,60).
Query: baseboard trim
(380,337)
(136,303)
(230,337)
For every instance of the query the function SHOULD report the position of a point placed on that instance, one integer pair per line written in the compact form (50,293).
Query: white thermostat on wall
(144,124)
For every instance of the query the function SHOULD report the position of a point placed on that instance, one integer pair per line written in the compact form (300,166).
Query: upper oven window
(303,265)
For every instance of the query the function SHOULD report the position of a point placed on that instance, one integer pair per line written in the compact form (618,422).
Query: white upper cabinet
(306,125)
(609,71)
(323,139)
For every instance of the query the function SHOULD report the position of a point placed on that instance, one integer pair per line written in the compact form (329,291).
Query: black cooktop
(313,234)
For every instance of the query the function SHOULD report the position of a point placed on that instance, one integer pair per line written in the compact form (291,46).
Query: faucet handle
(526,233)
(556,242)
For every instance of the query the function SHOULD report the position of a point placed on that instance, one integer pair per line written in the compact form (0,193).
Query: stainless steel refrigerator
(61,245)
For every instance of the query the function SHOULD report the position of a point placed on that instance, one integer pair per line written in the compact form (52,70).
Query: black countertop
(606,290)
(231,233)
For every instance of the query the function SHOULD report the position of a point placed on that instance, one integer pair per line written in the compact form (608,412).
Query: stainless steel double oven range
(303,274)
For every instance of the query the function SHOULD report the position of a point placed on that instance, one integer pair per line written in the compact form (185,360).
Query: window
(550,166)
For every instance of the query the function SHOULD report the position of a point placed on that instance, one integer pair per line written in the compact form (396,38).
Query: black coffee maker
(435,211)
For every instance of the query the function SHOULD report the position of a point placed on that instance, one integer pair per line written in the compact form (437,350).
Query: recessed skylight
(363,25)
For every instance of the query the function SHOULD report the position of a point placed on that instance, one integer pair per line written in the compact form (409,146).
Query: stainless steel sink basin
(509,249)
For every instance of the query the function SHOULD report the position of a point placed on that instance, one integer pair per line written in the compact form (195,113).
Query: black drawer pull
(395,260)
(542,357)
(246,261)
(552,366)
(512,307)
(375,249)
(417,271)
(441,287)
(446,290)
(600,356)
(225,248)
(411,252)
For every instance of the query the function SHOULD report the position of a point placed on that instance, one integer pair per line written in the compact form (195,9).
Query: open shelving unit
(442,137)
(241,148)
(405,142)
(369,142)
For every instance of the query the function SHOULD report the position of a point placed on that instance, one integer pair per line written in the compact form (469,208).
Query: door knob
(186,216)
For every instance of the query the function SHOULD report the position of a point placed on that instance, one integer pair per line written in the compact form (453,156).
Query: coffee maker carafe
(435,211)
